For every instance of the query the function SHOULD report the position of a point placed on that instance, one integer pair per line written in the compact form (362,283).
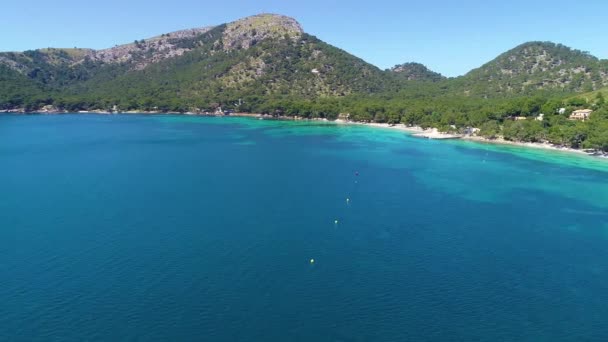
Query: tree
(380,117)
(490,129)
(599,99)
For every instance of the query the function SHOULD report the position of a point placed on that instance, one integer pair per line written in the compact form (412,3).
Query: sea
(183,228)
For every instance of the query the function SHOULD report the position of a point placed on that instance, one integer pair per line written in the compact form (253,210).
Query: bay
(154,228)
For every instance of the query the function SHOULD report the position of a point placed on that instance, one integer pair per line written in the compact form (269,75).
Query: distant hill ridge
(416,72)
(538,66)
(238,34)
(267,56)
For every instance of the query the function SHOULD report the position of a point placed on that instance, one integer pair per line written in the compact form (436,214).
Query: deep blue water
(168,228)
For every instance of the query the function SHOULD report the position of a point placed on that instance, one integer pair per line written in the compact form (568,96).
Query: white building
(581,114)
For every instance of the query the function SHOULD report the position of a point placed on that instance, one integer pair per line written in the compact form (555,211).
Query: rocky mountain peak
(248,31)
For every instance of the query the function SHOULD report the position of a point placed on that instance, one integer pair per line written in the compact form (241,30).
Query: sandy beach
(416,131)
(433,133)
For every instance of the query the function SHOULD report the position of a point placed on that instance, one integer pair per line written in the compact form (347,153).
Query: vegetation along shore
(416,131)
(539,93)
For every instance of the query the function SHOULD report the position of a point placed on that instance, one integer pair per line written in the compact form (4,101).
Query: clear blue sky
(450,37)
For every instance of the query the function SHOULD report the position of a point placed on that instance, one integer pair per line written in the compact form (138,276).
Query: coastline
(415,131)
(543,146)
(434,134)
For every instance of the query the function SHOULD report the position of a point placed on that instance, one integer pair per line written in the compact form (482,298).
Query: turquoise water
(167,228)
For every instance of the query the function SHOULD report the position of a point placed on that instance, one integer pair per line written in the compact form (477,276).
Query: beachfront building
(581,114)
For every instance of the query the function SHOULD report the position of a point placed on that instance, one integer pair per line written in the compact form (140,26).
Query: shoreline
(434,134)
(415,131)
(535,145)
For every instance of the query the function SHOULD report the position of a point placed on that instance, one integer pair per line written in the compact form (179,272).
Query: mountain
(268,64)
(259,60)
(536,66)
(415,72)
(260,56)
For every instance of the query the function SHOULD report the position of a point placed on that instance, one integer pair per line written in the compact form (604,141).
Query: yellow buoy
(312,261)
(348,200)
(336,221)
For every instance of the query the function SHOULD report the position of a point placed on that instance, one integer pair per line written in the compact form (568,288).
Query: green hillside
(268,64)
(258,57)
(415,72)
(592,95)
(17,90)
(535,67)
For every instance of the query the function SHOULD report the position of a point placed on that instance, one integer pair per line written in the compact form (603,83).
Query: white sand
(433,133)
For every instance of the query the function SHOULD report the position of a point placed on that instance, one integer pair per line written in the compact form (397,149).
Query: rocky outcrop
(157,48)
(246,32)
(12,64)
(240,34)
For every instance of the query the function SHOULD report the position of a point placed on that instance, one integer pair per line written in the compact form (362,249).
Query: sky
(450,37)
